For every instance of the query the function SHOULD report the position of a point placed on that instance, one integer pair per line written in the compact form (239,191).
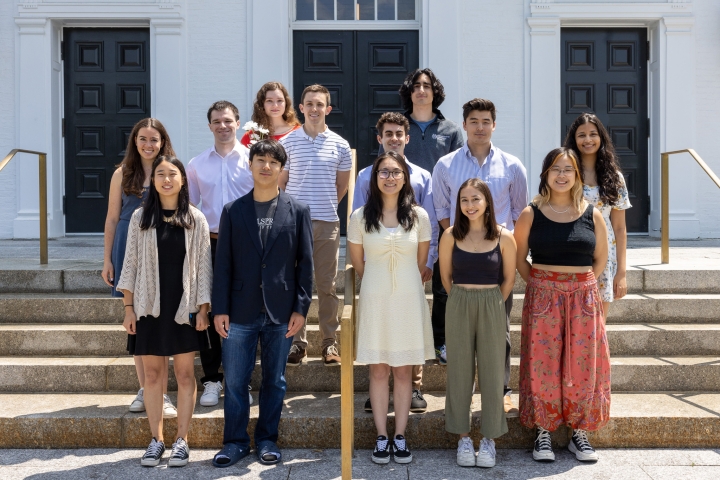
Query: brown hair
(221,105)
(261,118)
(544,191)
(479,104)
(133,174)
(393,117)
(462,223)
(315,88)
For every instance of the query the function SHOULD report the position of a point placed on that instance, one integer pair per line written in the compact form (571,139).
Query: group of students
(267,224)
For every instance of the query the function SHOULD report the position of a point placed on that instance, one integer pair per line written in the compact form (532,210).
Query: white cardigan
(140,269)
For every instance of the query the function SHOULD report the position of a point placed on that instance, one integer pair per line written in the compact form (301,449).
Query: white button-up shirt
(214,181)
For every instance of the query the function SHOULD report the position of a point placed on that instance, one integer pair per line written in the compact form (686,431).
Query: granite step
(116,374)
(66,308)
(648,420)
(111,340)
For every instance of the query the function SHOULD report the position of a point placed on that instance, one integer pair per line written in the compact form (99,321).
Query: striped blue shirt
(505,175)
(421,183)
(312,167)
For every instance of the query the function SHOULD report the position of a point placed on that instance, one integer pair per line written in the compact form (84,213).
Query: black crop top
(570,244)
(483,268)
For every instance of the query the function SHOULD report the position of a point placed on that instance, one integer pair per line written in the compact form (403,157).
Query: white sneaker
(580,446)
(169,409)
(211,395)
(250,401)
(466,452)
(486,454)
(543,451)
(138,405)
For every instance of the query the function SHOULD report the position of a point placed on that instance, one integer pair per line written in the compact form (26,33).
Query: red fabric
(245,140)
(564,354)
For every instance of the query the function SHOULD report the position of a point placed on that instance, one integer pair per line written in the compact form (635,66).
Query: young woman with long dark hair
(388,241)
(477,267)
(604,187)
(128,190)
(564,355)
(273,110)
(167,283)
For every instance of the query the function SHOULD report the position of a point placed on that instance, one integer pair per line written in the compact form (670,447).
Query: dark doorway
(363,71)
(604,71)
(107,90)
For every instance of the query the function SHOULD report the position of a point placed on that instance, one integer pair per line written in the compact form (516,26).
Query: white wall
(8,207)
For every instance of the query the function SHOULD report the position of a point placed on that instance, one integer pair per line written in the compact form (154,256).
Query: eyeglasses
(396,174)
(567,171)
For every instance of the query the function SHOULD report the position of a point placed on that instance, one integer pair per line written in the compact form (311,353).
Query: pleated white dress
(394,324)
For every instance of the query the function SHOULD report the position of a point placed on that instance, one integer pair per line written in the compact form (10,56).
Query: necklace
(473,242)
(551,208)
(171,218)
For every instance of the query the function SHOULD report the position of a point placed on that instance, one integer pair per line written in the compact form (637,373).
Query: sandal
(229,455)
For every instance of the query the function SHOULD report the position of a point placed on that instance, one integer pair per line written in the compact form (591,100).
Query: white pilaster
(444,28)
(269,55)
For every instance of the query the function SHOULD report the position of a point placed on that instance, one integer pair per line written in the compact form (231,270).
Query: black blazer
(281,276)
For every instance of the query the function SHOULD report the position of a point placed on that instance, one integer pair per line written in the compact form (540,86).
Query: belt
(213,235)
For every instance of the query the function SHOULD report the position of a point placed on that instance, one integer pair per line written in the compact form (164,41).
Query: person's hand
(295,324)
(201,321)
(619,286)
(222,325)
(130,321)
(108,273)
(426,274)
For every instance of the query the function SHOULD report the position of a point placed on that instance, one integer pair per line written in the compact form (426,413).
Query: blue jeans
(238,354)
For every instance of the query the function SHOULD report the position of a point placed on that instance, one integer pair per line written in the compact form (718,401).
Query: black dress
(163,336)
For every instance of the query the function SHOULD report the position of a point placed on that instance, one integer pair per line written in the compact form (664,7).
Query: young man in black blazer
(262,290)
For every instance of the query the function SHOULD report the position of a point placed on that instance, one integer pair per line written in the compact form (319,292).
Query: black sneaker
(400,451)
(543,451)
(381,454)
(418,403)
(368,407)
(180,453)
(153,454)
(580,446)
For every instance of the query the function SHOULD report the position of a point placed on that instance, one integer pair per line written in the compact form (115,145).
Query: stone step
(96,308)
(116,374)
(312,420)
(111,340)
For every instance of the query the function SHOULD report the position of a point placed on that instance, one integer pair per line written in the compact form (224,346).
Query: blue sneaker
(441,355)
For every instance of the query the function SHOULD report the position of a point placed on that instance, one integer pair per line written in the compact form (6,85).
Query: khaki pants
(475,333)
(326,246)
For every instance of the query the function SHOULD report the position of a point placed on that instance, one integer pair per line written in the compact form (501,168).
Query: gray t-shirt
(265,212)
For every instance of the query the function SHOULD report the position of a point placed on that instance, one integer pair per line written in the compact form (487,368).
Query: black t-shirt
(265,212)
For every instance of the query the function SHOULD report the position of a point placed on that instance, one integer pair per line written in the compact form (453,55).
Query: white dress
(393,315)
(592,195)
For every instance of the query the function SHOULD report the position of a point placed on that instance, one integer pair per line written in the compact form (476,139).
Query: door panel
(605,72)
(107,80)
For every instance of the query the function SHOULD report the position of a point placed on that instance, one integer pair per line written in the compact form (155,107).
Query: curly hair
(607,167)
(263,119)
(408,86)
(396,118)
(372,212)
(133,174)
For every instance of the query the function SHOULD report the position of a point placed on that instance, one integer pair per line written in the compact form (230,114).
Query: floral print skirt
(564,354)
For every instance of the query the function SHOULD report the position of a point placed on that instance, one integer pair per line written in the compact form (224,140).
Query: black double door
(604,71)
(363,71)
(107,90)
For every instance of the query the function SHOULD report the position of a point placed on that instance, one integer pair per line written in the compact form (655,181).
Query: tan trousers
(326,246)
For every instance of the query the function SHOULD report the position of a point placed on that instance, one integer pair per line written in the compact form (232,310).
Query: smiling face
(265,170)
(274,103)
(148,142)
(479,126)
(393,138)
(588,139)
(562,175)
(473,203)
(223,125)
(167,179)
(422,93)
(315,107)
(394,177)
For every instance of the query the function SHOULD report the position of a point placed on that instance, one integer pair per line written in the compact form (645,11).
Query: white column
(545,90)
(678,131)
(444,29)
(269,55)
(168,84)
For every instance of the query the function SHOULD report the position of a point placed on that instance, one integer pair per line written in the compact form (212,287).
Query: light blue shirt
(505,175)
(421,183)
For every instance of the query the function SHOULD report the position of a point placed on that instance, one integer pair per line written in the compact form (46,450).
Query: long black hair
(607,167)
(462,223)
(372,213)
(152,212)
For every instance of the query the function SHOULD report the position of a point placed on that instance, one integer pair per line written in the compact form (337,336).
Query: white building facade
(532,58)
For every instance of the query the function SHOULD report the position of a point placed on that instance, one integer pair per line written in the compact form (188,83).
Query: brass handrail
(665,196)
(42,158)
(347,350)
